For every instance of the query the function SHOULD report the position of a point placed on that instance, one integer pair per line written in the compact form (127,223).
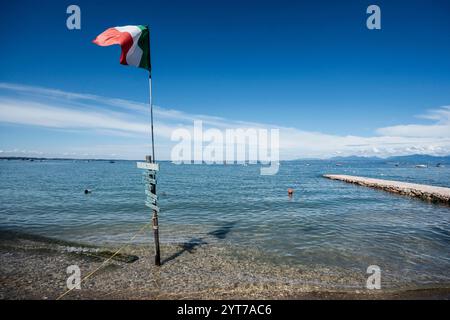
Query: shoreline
(35,268)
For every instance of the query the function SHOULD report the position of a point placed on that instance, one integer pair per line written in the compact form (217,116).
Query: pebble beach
(35,268)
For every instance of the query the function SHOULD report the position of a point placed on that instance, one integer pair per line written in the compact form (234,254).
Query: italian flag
(134,41)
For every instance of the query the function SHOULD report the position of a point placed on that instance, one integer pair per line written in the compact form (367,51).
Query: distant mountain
(422,158)
(356,158)
(416,158)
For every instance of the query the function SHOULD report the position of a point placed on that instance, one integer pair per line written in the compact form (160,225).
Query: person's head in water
(86,191)
(290,192)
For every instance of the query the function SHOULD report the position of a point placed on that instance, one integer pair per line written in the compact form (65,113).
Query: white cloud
(31,113)
(441,115)
(439,129)
(62,110)
(415,130)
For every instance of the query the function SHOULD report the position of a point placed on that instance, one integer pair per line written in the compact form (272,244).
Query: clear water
(326,223)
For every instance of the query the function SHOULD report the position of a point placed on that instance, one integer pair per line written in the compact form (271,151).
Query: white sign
(148,166)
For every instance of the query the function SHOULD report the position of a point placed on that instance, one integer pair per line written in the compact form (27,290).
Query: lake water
(326,223)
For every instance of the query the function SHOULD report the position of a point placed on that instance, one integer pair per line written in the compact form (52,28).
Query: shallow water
(326,223)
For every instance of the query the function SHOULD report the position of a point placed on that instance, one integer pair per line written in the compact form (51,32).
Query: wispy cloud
(37,114)
(440,128)
(39,93)
(50,108)
(91,101)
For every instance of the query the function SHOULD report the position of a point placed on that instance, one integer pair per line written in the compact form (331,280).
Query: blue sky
(310,68)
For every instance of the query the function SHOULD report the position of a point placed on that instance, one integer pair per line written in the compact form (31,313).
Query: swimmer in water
(290,192)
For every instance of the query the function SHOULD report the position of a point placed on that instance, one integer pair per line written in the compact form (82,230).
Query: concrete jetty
(422,191)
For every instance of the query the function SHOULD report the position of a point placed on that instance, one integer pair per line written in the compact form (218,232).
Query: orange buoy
(290,192)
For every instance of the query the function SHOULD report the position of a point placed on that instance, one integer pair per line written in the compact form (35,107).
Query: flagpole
(153,160)
(153,186)
(151,114)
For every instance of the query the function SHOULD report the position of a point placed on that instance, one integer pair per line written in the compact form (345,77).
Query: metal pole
(151,115)
(152,159)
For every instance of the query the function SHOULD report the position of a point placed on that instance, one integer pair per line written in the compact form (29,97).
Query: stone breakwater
(422,191)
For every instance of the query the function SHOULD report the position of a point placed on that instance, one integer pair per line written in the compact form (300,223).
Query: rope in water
(107,260)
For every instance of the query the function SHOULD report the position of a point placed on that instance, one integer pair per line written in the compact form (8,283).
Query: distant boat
(112,161)
(338,164)
(439,165)
(421,166)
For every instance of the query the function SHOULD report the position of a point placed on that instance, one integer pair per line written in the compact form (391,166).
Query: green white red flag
(134,41)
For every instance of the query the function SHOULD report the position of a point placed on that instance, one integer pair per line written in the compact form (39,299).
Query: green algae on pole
(422,191)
